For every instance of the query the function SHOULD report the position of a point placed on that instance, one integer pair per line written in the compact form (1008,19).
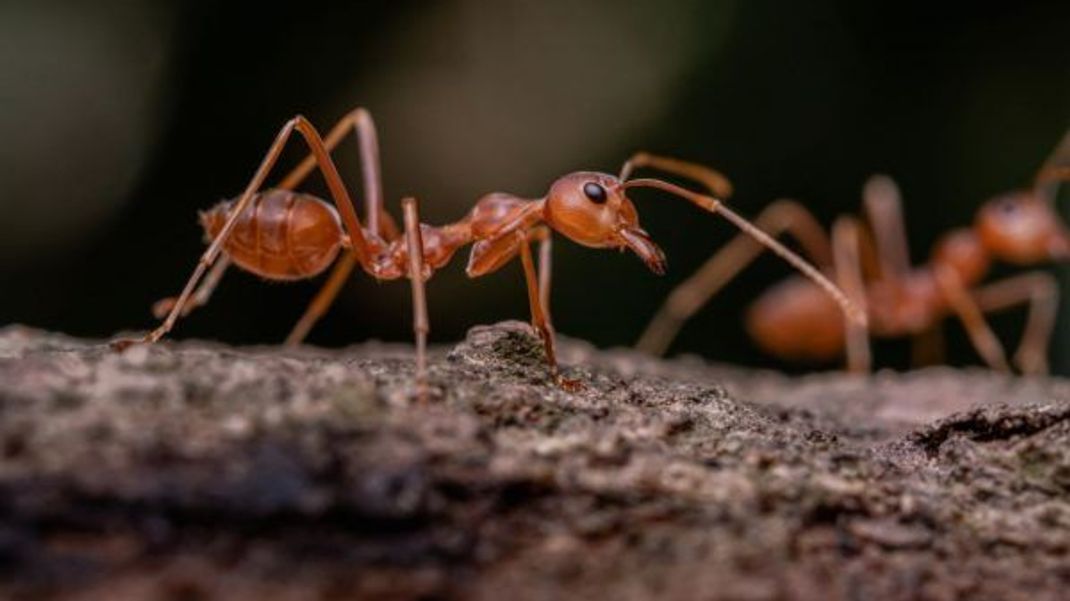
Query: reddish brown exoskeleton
(280,234)
(794,321)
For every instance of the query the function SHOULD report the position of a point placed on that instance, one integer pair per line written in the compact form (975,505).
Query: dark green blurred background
(121,119)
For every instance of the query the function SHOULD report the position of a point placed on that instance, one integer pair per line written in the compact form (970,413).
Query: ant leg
(1056,168)
(378,221)
(415,247)
(323,299)
(884,209)
(1041,292)
(338,193)
(201,297)
(1053,174)
(845,245)
(539,319)
(542,236)
(691,295)
(712,179)
(967,310)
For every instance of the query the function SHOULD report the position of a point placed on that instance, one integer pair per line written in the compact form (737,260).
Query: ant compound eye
(595,192)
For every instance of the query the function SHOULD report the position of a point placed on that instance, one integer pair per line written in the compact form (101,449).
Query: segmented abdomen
(281,235)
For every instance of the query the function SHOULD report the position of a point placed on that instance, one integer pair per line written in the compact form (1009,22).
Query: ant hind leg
(334,183)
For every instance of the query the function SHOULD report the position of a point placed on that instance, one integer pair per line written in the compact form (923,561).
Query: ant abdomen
(797,320)
(282,235)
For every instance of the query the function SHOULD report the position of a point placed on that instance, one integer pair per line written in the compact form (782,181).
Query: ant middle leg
(323,299)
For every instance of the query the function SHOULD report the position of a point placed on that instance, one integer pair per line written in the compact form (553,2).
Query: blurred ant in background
(793,321)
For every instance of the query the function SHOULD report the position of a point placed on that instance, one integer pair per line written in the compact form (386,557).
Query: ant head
(591,209)
(1021,228)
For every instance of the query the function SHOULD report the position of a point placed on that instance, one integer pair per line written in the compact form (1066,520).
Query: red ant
(793,321)
(280,234)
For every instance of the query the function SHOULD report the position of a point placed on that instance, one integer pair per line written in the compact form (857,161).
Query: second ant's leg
(420,324)
(691,295)
(323,299)
(964,305)
(1041,292)
(845,248)
(712,179)
(884,209)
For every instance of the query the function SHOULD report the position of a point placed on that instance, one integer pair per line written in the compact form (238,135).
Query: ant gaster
(794,321)
(280,234)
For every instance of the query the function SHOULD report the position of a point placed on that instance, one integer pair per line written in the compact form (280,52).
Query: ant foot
(568,384)
(122,344)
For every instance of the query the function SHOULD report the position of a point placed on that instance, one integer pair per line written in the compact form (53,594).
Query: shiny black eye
(595,193)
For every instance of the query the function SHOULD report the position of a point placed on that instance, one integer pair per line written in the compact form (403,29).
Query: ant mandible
(793,321)
(280,234)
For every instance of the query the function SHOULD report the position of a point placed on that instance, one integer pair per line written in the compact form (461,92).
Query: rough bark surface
(199,471)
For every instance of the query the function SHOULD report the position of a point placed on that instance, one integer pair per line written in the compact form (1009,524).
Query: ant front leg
(540,316)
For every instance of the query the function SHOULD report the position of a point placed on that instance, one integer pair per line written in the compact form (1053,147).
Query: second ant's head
(1021,228)
(591,209)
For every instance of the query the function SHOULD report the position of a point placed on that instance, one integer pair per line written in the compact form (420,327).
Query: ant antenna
(714,205)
